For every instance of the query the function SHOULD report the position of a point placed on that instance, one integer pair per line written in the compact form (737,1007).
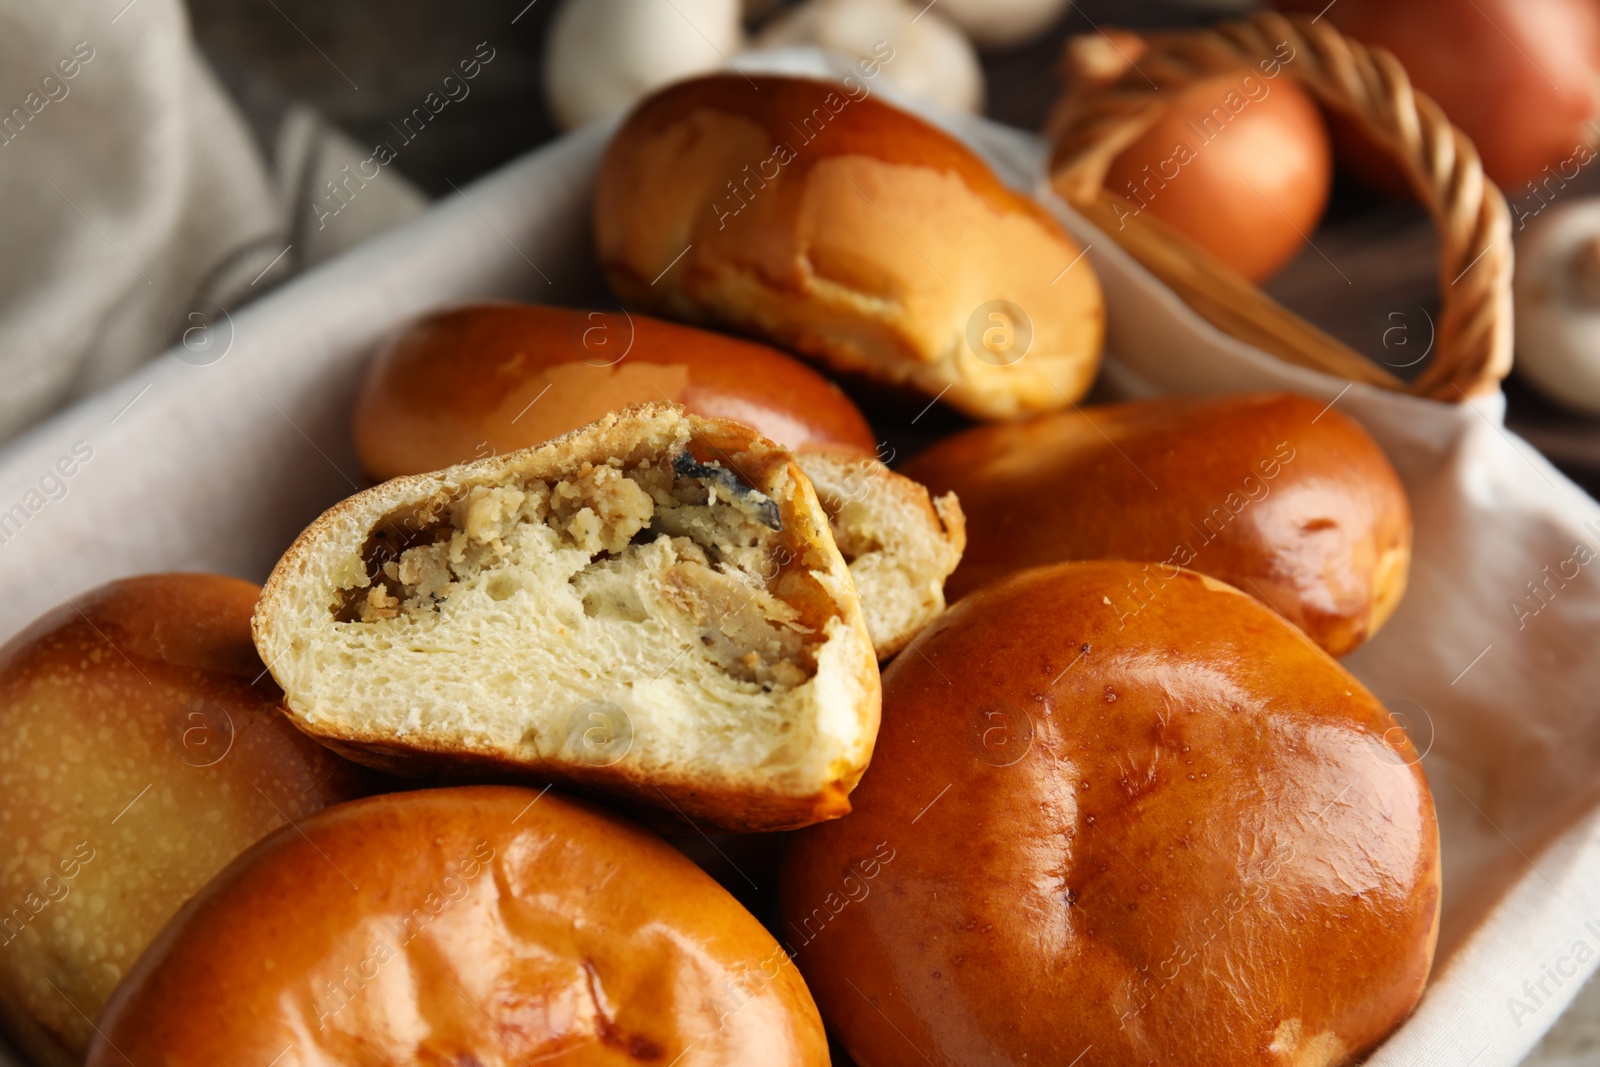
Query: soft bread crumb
(900,545)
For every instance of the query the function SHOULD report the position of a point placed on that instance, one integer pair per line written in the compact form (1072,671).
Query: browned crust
(866,127)
(147,687)
(1273,493)
(734,811)
(1180,834)
(487,379)
(859,250)
(514,925)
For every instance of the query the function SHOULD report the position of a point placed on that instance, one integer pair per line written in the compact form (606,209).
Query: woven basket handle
(1473,349)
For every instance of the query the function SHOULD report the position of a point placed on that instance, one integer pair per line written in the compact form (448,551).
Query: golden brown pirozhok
(813,215)
(478,925)
(141,749)
(484,379)
(1181,835)
(1276,494)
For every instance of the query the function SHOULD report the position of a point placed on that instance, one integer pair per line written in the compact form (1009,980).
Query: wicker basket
(1093,126)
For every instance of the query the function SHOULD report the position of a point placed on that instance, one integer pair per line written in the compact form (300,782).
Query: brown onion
(1239,163)
(1519,77)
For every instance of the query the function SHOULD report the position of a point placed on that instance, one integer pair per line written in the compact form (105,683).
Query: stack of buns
(1117,796)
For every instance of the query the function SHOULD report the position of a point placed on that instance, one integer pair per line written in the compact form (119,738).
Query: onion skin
(1519,77)
(1248,189)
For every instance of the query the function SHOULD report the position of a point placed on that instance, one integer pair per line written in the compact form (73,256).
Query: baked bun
(1180,834)
(141,749)
(651,605)
(901,543)
(813,215)
(487,379)
(1276,494)
(483,925)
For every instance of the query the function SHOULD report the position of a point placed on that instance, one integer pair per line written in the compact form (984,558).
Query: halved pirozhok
(652,606)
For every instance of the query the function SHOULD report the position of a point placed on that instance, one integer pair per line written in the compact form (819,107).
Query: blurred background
(271,55)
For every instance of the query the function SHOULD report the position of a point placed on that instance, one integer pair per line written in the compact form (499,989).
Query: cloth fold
(138,206)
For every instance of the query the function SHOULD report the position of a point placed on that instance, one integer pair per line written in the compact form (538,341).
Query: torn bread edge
(901,543)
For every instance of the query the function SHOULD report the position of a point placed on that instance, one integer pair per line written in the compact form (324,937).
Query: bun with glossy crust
(1278,495)
(1180,835)
(142,748)
(480,925)
(486,379)
(814,215)
(650,606)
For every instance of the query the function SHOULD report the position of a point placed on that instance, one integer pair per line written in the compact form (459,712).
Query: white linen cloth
(218,466)
(133,198)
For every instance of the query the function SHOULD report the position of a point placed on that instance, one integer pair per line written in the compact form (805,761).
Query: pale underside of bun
(651,605)
(900,544)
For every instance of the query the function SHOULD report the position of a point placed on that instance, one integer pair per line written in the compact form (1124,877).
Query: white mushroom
(1556,293)
(1003,23)
(602,56)
(927,57)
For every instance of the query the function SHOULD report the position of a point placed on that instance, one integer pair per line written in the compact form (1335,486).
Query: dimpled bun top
(813,215)
(1180,834)
(480,925)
